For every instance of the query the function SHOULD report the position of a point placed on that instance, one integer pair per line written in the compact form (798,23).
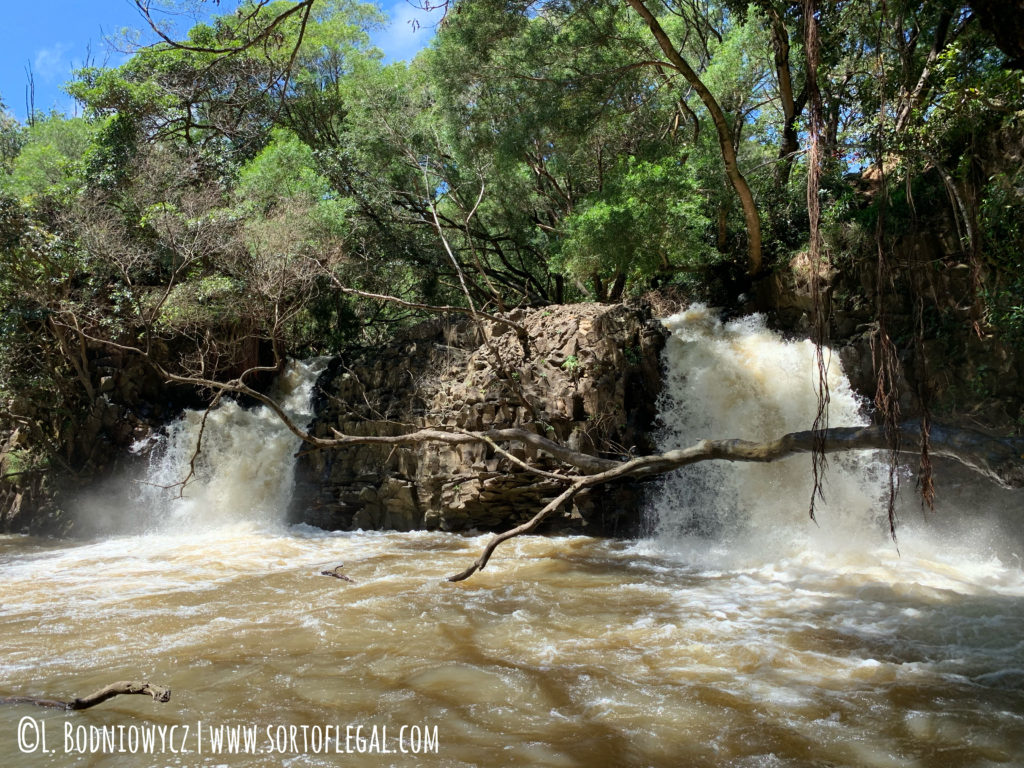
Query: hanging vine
(812,43)
(883,351)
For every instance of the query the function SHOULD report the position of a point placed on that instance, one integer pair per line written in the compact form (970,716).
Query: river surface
(738,633)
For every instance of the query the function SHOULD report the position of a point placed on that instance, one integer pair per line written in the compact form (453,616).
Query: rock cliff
(590,379)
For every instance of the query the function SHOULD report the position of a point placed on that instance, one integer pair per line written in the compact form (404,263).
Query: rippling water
(760,640)
(563,652)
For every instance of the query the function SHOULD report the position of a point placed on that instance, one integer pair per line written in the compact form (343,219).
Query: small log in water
(336,573)
(158,692)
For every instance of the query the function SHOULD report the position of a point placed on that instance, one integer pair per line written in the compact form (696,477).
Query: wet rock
(590,380)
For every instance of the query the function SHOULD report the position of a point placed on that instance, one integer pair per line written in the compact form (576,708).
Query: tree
(266,186)
(576,22)
(10,137)
(751,215)
(43,155)
(647,220)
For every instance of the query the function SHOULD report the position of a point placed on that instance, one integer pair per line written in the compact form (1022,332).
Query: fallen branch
(336,573)
(158,692)
(583,462)
(1001,459)
(526,527)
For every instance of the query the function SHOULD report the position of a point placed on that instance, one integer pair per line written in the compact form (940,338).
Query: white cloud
(410,30)
(51,65)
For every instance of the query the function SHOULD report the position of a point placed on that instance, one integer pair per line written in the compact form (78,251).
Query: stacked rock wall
(589,380)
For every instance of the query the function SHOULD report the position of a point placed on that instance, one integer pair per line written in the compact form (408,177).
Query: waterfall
(244,472)
(742,635)
(739,379)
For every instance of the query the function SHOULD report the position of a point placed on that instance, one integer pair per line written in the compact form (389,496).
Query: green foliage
(37,261)
(209,301)
(20,461)
(109,161)
(283,169)
(49,158)
(546,132)
(284,176)
(648,219)
(134,90)
(1006,310)
(1001,222)
(11,138)
(1002,230)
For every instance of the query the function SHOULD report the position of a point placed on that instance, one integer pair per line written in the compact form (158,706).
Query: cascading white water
(741,380)
(742,635)
(244,471)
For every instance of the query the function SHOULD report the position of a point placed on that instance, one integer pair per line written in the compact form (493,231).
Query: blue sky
(54,36)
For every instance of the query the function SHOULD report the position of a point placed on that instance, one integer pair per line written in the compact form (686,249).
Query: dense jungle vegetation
(224,198)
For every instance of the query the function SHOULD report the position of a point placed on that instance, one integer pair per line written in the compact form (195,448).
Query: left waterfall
(244,472)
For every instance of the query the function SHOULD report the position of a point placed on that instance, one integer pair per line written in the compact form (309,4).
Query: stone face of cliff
(590,380)
(89,443)
(971,374)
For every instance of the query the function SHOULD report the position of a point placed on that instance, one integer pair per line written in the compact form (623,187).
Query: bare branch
(582,462)
(520,330)
(524,338)
(336,573)
(143,7)
(999,459)
(158,692)
(526,527)
(181,484)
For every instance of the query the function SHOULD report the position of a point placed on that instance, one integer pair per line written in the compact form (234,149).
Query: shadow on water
(936,672)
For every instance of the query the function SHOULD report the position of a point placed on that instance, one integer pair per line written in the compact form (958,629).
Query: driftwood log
(158,692)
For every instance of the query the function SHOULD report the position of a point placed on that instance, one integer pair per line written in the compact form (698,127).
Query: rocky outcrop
(589,379)
(115,400)
(970,375)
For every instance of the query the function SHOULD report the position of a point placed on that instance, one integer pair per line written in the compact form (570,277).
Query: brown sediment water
(737,634)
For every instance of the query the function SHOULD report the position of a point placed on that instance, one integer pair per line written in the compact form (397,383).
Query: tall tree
(751,216)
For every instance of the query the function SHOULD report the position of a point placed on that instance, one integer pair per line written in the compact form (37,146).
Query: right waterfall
(738,379)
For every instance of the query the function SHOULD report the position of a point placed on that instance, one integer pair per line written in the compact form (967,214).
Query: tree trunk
(725,138)
(791,105)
